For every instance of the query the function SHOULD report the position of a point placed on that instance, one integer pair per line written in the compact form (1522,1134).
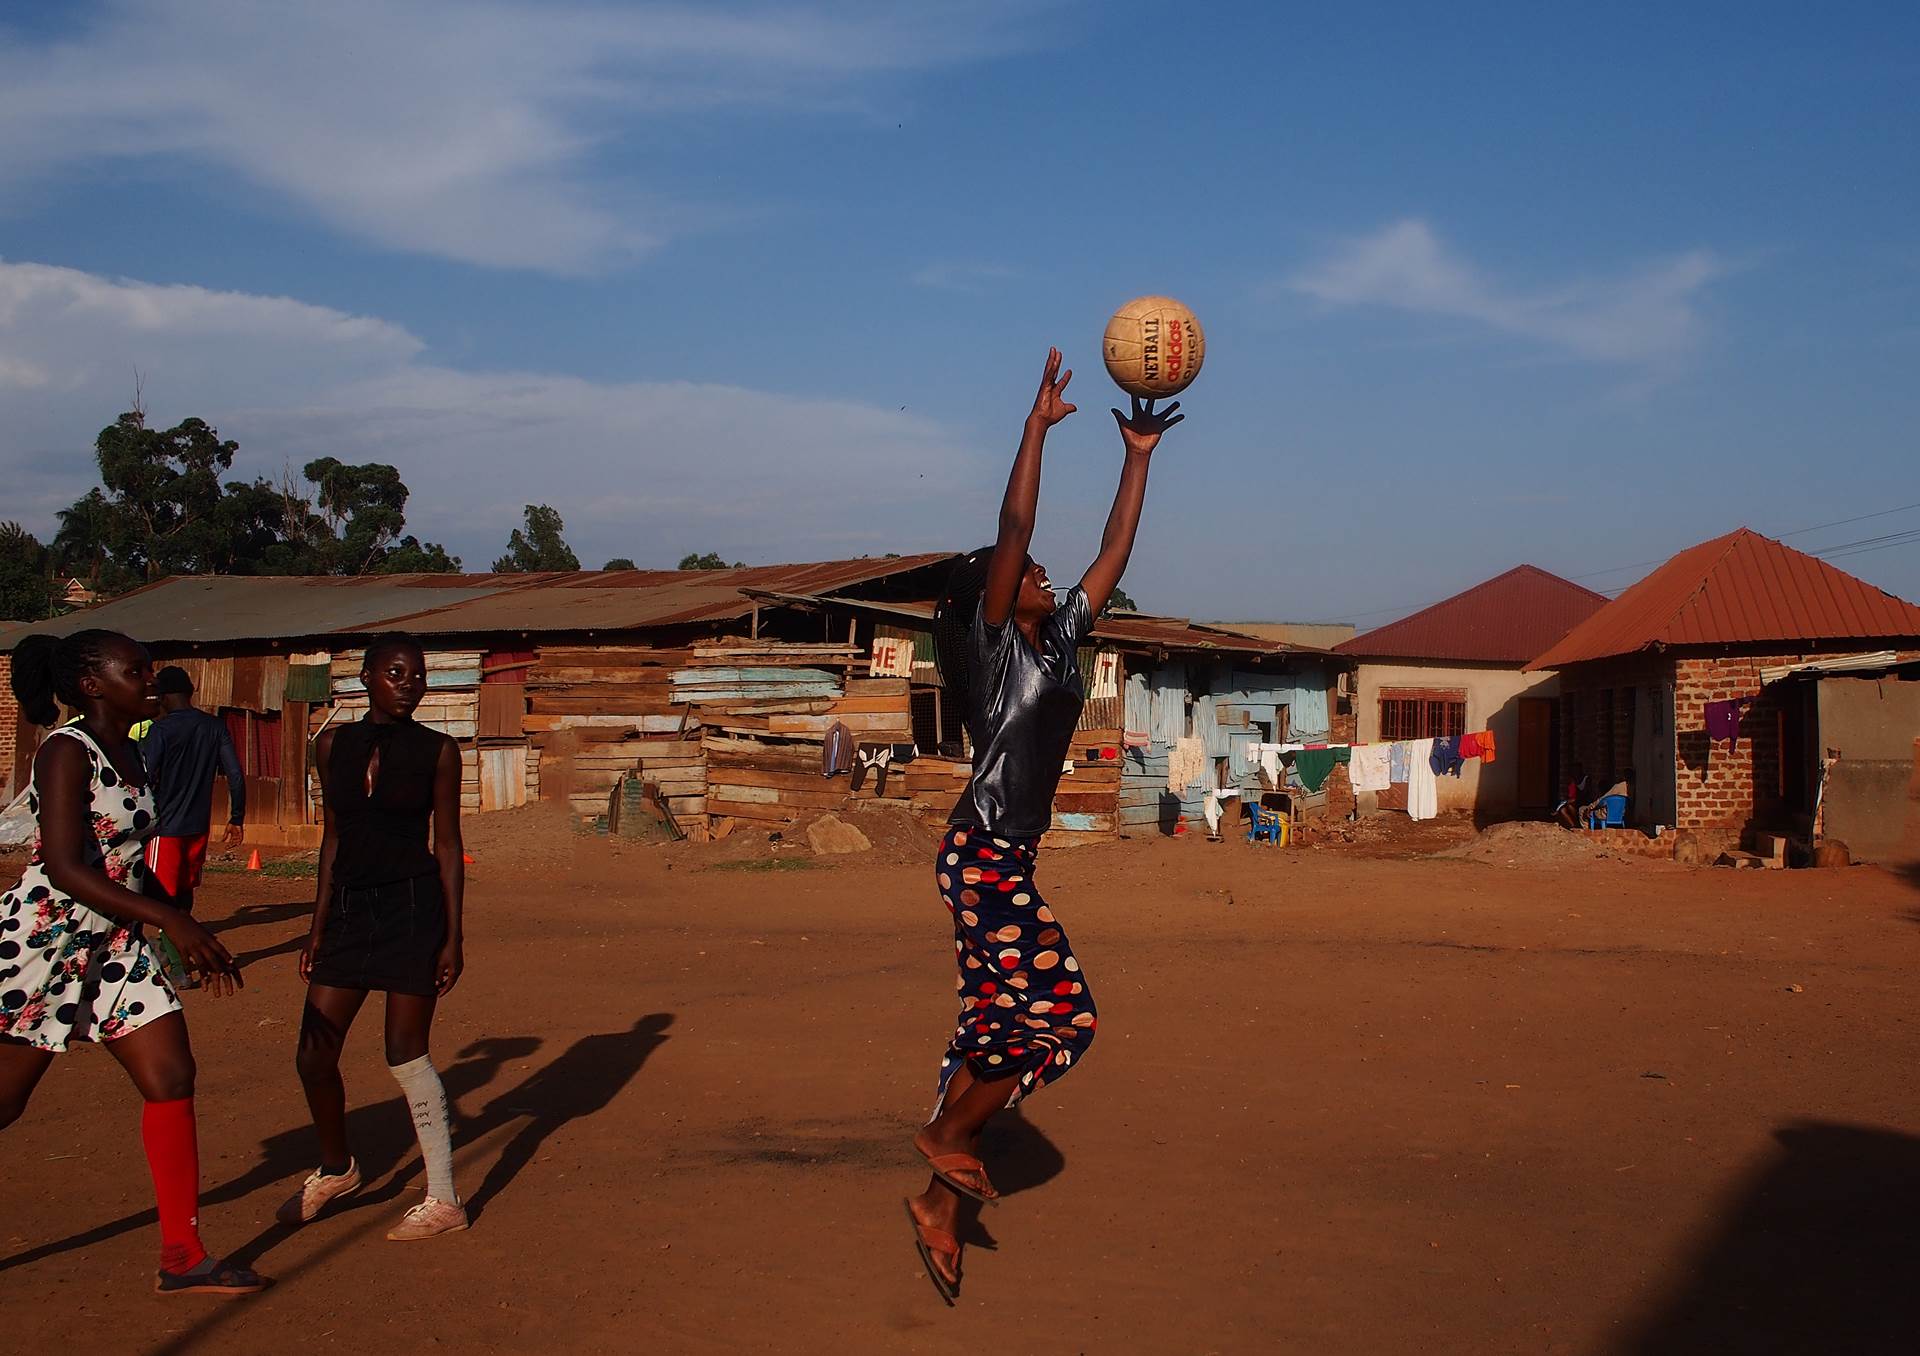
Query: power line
(1837,551)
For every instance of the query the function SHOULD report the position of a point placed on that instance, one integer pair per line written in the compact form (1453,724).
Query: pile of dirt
(1388,834)
(1532,844)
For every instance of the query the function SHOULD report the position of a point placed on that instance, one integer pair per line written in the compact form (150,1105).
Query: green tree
(539,547)
(710,561)
(619,563)
(27,591)
(161,509)
(1119,598)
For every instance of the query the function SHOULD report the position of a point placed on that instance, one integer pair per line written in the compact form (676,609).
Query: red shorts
(175,864)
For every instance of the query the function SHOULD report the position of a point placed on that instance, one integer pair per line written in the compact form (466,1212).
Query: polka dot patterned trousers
(1026,1013)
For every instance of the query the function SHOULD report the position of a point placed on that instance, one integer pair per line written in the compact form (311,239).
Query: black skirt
(383,937)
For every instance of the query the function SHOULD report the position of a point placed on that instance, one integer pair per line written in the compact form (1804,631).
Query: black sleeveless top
(1021,713)
(382,837)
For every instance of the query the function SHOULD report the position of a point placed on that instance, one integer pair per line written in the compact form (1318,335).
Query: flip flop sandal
(930,1240)
(944,1165)
(222,1278)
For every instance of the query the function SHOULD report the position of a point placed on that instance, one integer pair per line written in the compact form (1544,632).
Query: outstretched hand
(1050,405)
(1142,432)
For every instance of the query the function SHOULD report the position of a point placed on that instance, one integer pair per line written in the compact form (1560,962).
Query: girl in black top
(387,919)
(1010,655)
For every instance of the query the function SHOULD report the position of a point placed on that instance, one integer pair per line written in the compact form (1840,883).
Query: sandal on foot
(930,1240)
(222,1278)
(945,1165)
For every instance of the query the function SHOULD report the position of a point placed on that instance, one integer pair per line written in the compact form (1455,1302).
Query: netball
(1154,347)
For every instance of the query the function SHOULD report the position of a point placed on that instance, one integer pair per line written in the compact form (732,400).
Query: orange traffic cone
(253,862)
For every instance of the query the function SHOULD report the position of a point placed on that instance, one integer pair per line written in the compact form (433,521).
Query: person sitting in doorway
(1567,812)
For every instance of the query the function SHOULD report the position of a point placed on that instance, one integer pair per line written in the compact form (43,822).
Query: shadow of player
(580,1083)
(381,1132)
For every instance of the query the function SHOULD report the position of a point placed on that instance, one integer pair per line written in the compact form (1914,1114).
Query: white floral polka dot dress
(68,973)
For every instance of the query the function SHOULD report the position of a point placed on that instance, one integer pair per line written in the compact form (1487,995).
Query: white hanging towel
(1368,767)
(1423,789)
(1187,764)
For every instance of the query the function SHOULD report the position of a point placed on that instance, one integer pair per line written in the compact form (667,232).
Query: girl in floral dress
(75,963)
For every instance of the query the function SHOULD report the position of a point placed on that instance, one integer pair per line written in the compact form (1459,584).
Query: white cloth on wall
(1210,805)
(1369,766)
(1423,788)
(1139,718)
(1187,765)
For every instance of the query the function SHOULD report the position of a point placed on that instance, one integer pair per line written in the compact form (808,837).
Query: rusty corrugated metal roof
(1129,628)
(1740,589)
(220,609)
(1509,619)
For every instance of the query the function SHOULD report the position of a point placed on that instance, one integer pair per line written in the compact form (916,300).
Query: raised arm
(1140,435)
(1023,493)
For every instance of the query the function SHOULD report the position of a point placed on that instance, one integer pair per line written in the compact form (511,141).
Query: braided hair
(46,667)
(953,623)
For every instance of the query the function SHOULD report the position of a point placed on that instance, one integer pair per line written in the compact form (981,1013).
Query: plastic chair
(1609,812)
(1264,823)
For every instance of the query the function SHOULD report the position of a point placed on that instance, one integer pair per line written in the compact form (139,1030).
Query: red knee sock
(173,1156)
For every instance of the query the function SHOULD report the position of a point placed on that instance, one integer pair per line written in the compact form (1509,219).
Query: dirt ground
(1342,1101)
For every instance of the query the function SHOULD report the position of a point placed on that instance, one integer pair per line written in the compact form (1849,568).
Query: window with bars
(1417,714)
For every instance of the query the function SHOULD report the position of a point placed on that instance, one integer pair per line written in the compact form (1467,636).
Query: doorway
(1538,757)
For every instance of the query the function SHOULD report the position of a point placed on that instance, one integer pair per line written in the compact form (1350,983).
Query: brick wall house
(1637,677)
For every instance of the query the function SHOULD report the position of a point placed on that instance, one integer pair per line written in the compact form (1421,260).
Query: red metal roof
(1507,620)
(207,609)
(1740,589)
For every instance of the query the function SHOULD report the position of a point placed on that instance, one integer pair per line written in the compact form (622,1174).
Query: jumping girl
(1009,654)
(386,919)
(75,961)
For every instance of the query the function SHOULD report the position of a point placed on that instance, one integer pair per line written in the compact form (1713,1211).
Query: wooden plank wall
(1086,807)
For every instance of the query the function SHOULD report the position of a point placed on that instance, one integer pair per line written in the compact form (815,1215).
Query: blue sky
(1482,285)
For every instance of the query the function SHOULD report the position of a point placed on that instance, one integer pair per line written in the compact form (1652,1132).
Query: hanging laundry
(1270,763)
(1397,758)
(1445,757)
(1139,713)
(1187,765)
(1210,808)
(1486,746)
(1371,767)
(1314,766)
(1469,746)
(1423,792)
(1723,720)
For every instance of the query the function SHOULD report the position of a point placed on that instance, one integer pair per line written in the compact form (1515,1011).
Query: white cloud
(1646,316)
(643,469)
(470,129)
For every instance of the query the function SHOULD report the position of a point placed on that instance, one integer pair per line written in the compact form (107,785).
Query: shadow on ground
(1815,1253)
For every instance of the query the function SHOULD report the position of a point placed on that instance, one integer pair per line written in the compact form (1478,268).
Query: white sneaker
(316,1192)
(429,1219)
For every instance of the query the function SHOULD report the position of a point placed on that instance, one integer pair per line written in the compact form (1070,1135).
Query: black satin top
(1020,716)
(383,837)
